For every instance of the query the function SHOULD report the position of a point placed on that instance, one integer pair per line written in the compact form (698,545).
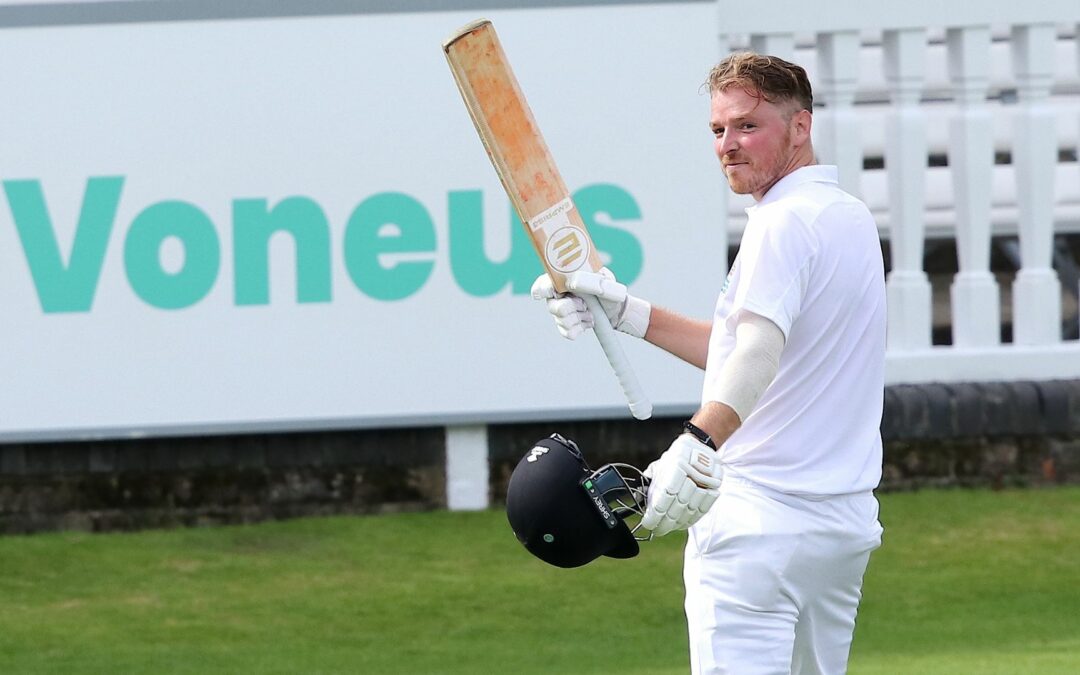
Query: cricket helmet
(568,515)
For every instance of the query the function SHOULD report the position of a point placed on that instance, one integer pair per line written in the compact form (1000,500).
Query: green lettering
(383,224)
(60,287)
(142,260)
(602,203)
(253,226)
(470,265)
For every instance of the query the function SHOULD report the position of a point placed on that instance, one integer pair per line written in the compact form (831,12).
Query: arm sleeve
(752,364)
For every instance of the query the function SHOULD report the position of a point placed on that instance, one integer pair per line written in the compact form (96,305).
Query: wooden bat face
(517,149)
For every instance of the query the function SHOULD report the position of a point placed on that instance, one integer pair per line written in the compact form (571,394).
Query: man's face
(753,140)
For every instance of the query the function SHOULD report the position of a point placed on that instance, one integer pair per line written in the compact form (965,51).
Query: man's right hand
(627,313)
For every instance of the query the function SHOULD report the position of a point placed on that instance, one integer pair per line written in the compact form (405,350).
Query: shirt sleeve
(775,271)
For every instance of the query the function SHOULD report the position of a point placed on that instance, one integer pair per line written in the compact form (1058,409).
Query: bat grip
(640,407)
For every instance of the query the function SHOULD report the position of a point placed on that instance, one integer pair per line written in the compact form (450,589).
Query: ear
(801,122)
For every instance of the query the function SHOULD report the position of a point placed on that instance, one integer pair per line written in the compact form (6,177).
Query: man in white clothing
(773,475)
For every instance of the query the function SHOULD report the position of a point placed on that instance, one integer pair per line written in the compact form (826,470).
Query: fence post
(908,288)
(774,44)
(1037,291)
(838,67)
(976,311)
(467,472)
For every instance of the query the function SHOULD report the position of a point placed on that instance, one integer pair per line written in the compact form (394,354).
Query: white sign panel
(291,223)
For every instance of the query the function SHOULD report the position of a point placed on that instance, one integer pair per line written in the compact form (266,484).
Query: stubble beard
(755,179)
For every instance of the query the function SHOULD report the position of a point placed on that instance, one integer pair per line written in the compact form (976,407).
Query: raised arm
(682,336)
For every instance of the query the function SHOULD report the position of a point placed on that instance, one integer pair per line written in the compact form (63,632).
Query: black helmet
(568,515)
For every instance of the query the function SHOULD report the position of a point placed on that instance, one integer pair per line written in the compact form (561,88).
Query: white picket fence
(900,83)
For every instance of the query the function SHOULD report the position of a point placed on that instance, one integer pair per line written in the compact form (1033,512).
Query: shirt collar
(815,173)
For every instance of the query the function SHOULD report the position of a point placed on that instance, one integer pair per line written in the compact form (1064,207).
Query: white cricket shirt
(810,261)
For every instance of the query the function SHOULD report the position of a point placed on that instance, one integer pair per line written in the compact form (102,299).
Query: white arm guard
(752,365)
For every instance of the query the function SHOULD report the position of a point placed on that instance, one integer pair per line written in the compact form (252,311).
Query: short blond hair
(770,77)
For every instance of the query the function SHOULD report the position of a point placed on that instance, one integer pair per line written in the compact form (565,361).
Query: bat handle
(640,407)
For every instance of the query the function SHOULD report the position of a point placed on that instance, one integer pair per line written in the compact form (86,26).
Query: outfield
(967,582)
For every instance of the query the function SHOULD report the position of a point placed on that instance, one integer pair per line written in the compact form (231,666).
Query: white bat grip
(640,407)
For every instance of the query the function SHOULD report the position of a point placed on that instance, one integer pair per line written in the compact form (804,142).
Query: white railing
(898,84)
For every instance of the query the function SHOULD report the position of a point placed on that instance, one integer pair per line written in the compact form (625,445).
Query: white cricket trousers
(773,581)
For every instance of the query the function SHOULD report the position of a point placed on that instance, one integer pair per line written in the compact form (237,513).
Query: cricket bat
(532,180)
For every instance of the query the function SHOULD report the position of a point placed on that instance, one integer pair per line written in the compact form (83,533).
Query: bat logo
(567,249)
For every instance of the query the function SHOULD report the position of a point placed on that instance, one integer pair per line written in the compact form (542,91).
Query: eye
(718,131)
(746,126)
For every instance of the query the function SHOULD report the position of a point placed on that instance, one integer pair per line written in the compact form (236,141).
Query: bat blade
(518,152)
(532,181)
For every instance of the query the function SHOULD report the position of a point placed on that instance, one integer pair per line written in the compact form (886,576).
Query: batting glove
(684,483)
(627,313)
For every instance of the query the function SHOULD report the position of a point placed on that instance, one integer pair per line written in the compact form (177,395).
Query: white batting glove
(627,313)
(685,482)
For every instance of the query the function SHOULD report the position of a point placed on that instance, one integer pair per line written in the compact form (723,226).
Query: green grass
(974,582)
(967,582)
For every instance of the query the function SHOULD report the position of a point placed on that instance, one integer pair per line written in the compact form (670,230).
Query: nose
(725,144)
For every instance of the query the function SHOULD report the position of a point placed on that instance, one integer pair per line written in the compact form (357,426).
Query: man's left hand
(685,481)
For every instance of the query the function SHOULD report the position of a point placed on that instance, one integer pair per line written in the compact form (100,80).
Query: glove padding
(684,483)
(627,314)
